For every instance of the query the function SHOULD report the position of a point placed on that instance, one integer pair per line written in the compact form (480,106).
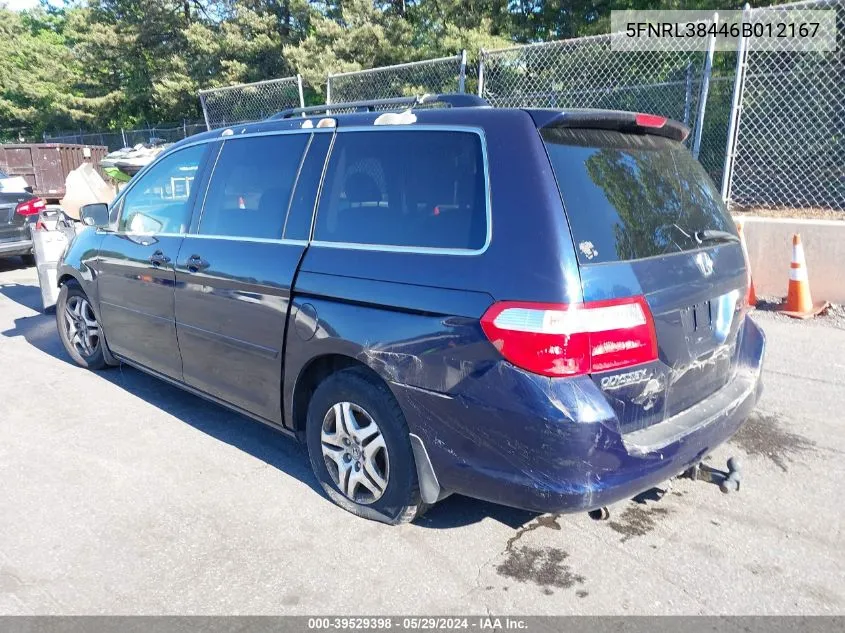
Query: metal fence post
(463,72)
(301,95)
(328,89)
(481,72)
(688,95)
(204,110)
(736,107)
(123,136)
(705,90)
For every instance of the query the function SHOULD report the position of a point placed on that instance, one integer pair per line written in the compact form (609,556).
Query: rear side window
(631,196)
(405,188)
(251,185)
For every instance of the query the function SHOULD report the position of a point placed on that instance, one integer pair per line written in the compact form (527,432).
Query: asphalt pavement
(124,495)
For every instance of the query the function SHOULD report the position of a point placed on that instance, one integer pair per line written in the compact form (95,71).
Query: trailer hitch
(727,481)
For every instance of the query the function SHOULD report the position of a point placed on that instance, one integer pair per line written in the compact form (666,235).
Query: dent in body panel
(520,439)
(514,422)
(693,362)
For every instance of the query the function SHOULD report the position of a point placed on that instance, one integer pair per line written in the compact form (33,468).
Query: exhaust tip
(599,514)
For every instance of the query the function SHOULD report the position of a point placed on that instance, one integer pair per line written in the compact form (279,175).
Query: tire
(73,305)
(28,260)
(356,392)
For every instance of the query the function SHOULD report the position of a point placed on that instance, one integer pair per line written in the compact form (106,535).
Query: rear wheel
(359,448)
(79,329)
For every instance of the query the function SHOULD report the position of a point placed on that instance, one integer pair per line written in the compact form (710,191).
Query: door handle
(159,259)
(196,264)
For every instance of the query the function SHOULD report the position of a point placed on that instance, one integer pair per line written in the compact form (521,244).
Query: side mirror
(95,214)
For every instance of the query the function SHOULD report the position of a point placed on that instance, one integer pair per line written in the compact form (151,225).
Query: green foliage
(111,63)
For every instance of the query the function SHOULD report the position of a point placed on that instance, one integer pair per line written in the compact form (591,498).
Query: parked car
(541,308)
(19,211)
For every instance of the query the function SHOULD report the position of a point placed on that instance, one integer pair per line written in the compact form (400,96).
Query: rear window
(631,196)
(405,188)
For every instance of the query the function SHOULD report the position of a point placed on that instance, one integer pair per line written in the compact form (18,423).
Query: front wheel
(79,329)
(360,450)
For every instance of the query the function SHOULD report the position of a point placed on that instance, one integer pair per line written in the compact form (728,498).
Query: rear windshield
(631,196)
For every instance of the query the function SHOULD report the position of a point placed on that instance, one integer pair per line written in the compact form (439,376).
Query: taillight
(650,120)
(569,340)
(31,207)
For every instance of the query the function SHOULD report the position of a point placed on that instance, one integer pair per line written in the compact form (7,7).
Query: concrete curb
(770,249)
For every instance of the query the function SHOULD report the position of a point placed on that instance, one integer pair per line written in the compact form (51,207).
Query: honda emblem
(704,263)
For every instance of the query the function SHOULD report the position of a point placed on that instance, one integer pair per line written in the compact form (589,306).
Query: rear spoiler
(617,120)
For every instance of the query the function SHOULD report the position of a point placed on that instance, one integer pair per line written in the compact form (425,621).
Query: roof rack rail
(454,100)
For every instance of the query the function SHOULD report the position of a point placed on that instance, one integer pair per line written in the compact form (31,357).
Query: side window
(251,185)
(159,201)
(405,188)
(298,223)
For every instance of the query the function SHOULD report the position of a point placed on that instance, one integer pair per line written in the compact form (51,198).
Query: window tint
(404,188)
(631,196)
(250,188)
(298,223)
(158,202)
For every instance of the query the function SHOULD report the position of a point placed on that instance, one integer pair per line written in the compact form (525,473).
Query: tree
(36,77)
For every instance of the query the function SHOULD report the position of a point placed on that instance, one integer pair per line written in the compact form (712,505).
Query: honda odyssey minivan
(540,308)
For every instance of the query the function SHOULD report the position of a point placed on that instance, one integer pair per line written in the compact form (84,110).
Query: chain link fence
(116,139)
(585,72)
(771,131)
(244,103)
(445,74)
(788,146)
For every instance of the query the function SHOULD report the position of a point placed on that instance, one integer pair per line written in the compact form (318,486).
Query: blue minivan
(541,308)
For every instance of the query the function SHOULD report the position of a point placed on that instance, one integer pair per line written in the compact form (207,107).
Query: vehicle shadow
(250,436)
(12,263)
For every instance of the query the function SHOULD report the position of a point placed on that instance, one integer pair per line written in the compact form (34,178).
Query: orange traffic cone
(799,302)
(752,295)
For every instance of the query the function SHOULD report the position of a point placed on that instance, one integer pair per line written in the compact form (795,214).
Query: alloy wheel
(83,331)
(355,453)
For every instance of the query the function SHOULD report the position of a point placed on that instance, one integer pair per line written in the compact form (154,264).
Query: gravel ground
(832,316)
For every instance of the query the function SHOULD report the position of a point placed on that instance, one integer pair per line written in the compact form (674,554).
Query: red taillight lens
(650,120)
(569,340)
(31,207)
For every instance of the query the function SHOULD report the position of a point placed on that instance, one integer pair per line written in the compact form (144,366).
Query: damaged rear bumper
(544,445)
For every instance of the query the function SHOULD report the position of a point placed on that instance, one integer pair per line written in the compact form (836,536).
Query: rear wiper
(714,235)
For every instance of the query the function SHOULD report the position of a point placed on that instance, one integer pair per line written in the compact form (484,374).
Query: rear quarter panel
(414,317)
(428,338)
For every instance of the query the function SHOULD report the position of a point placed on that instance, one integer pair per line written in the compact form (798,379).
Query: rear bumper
(21,247)
(553,446)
